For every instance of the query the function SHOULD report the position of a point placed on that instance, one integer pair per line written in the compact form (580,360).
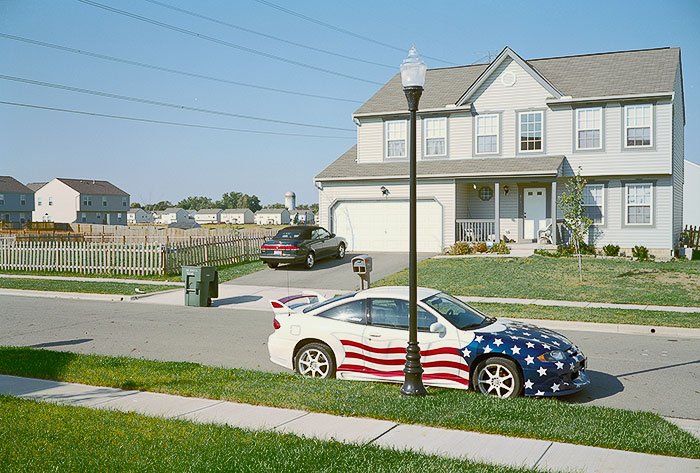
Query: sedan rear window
(293,235)
(351,312)
(329,301)
(456,312)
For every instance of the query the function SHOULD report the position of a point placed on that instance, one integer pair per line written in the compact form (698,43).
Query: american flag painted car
(363,336)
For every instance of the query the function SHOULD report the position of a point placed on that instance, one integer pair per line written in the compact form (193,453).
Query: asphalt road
(645,372)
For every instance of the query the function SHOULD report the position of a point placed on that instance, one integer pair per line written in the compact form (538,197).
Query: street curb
(625,329)
(86,279)
(86,296)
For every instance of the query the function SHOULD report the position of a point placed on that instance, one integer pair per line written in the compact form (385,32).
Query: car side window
(315,235)
(351,312)
(323,233)
(393,313)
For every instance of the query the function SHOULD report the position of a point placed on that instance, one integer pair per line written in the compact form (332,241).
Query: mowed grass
(539,277)
(94,287)
(42,437)
(608,316)
(547,419)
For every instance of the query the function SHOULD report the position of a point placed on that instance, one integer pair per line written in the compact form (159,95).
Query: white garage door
(384,225)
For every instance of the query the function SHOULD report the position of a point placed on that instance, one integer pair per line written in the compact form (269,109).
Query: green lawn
(95,287)
(540,277)
(41,437)
(455,409)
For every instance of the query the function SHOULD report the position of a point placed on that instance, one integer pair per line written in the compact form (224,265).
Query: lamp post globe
(412,78)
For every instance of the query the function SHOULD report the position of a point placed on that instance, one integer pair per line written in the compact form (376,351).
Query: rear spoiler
(296,303)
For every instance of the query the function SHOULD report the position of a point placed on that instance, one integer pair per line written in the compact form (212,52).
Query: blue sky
(156,162)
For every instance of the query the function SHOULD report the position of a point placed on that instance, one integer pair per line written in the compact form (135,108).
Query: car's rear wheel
(315,360)
(272,265)
(341,251)
(498,377)
(310,260)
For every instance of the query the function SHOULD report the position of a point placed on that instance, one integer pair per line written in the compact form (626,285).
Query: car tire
(310,260)
(272,265)
(341,251)
(315,360)
(497,376)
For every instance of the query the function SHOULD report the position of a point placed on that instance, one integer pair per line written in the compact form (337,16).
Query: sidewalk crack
(198,409)
(543,454)
(290,420)
(382,434)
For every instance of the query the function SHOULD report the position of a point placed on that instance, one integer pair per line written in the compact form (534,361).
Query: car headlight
(554,355)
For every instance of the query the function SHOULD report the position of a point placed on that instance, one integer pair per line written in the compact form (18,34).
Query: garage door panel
(384,225)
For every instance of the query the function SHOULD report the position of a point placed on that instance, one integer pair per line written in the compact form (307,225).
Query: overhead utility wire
(224,43)
(268,36)
(343,30)
(164,104)
(173,71)
(191,125)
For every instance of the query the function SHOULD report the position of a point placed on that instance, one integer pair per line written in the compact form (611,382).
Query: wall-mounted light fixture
(474,186)
(385,191)
(506,190)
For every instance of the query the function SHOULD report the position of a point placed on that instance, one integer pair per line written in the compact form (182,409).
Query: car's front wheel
(341,251)
(310,260)
(272,265)
(498,377)
(315,360)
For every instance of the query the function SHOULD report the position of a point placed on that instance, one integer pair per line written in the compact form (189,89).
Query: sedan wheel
(310,261)
(315,360)
(498,377)
(341,251)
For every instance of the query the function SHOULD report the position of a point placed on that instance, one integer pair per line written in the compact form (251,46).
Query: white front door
(535,211)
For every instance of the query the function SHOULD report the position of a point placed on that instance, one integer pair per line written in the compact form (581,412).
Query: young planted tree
(575,219)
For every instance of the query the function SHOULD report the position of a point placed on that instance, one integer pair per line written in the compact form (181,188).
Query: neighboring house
(272,217)
(188,224)
(691,194)
(16,201)
(237,216)
(81,201)
(35,186)
(139,216)
(173,215)
(497,143)
(208,216)
(191,213)
(302,216)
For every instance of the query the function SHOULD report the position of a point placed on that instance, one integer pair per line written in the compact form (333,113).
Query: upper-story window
(435,136)
(589,127)
(2,199)
(22,199)
(593,202)
(50,201)
(487,131)
(87,201)
(38,201)
(638,204)
(123,201)
(396,139)
(638,125)
(104,201)
(530,131)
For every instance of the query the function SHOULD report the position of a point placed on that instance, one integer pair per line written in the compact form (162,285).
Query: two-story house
(172,215)
(208,216)
(16,202)
(497,144)
(81,201)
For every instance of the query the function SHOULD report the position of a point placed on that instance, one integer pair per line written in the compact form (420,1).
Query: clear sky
(156,162)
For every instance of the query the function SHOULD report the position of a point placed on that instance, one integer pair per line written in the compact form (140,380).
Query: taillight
(279,247)
(276,324)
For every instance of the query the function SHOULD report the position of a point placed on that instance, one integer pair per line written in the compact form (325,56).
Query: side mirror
(437,327)
(332,235)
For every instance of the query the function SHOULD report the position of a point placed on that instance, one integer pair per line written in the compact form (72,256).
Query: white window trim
(2,199)
(520,130)
(602,203)
(651,126)
(498,133)
(425,136)
(600,129)
(651,204)
(104,201)
(386,139)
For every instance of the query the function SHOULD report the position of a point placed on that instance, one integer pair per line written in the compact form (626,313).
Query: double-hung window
(22,199)
(104,201)
(594,202)
(2,199)
(396,139)
(589,127)
(530,131)
(435,136)
(638,126)
(638,204)
(87,201)
(487,131)
(38,201)
(123,201)
(50,201)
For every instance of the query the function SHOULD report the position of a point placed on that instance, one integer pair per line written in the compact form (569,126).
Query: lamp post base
(413,372)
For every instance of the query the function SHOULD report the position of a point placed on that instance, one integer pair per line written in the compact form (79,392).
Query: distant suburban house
(272,217)
(691,194)
(301,216)
(172,215)
(188,224)
(35,186)
(497,144)
(237,216)
(139,216)
(208,216)
(16,201)
(81,201)
(191,213)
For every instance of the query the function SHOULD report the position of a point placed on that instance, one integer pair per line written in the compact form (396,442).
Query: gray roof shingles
(270,211)
(208,211)
(35,186)
(92,186)
(10,184)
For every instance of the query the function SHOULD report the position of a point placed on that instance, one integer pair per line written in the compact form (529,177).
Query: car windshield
(329,301)
(292,234)
(457,312)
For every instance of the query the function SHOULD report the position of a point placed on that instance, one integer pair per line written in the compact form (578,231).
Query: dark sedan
(303,244)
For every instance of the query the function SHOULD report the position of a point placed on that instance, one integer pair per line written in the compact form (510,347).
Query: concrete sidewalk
(494,449)
(88,279)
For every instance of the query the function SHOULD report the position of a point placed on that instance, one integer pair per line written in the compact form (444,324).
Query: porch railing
(470,230)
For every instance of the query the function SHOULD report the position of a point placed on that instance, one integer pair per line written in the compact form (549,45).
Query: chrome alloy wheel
(497,380)
(314,363)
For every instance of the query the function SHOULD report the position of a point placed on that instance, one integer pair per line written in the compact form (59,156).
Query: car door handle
(376,335)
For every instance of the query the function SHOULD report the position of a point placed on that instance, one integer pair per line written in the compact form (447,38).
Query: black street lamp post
(413,77)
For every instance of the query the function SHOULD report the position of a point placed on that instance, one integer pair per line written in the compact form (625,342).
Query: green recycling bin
(201,285)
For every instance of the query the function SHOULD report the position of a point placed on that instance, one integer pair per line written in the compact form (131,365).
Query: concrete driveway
(328,273)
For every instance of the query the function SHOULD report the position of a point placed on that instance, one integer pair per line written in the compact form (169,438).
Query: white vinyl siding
(487,134)
(531,128)
(638,126)
(589,128)
(396,138)
(638,204)
(435,136)
(594,203)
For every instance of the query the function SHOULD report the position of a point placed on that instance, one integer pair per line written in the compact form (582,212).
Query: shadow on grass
(62,343)
(43,364)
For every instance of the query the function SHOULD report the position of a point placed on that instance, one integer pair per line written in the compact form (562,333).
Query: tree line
(229,200)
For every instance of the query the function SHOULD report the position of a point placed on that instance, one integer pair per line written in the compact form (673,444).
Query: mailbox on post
(362,266)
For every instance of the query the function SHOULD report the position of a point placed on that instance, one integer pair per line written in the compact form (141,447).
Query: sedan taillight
(280,247)
(275,323)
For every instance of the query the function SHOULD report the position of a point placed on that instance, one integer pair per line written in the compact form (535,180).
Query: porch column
(497,204)
(554,212)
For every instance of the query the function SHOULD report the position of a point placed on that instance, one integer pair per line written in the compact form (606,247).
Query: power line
(268,36)
(164,104)
(224,43)
(173,71)
(343,30)
(191,125)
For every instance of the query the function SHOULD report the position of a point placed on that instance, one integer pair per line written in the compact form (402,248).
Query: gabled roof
(208,211)
(271,211)
(10,184)
(236,211)
(171,210)
(35,186)
(92,186)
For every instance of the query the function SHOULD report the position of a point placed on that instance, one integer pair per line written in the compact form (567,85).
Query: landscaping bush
(611,250)
(640,253)
(587,249)
(500,248)
(481,247)
(460,248)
